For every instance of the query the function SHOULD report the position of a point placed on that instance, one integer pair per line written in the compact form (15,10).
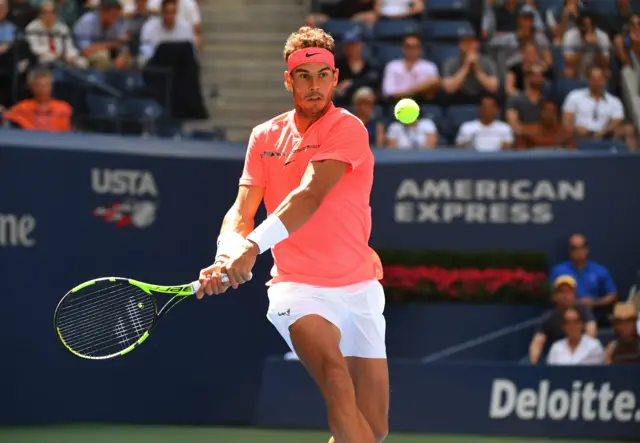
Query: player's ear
(287,81)
(336,76)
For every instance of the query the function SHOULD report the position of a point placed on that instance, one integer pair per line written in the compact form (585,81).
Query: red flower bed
(429,283)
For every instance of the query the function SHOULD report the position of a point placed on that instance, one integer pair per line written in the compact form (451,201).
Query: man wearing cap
(355,70)
(625,349)
(550,329)
(595,287)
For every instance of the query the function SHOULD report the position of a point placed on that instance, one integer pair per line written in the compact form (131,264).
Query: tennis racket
(109,317)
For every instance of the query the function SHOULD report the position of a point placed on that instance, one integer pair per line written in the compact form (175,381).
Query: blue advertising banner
(76,207)
(570,402)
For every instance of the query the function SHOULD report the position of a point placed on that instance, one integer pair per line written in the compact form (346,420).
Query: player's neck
(303,121)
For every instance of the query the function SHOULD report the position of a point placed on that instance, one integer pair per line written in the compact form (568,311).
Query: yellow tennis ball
(406,111)
(140,305)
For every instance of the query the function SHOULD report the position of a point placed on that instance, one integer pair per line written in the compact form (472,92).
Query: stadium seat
(438,53)
(140,115)
(101,106)
(432,112)
(447,30)
(385,52)
(565,85)
(601,145)
(457,115)
(337,27)
(447,9)
(544,5)
(125,81)
(394,29)
(103,114)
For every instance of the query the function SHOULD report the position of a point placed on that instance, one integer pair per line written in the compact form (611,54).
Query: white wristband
(270,232)
(227,242)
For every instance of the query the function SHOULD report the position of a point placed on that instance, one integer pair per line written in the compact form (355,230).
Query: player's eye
(323,75)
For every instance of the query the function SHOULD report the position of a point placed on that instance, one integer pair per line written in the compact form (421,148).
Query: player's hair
(412,34)
(169,2)
(38,72)
(307,37)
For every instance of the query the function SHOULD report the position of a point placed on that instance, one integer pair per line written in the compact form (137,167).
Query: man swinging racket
(314,168)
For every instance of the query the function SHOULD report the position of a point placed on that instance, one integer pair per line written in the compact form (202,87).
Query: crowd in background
(560,88)
(42,41)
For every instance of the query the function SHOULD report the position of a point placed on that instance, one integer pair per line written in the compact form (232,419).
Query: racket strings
(105,320)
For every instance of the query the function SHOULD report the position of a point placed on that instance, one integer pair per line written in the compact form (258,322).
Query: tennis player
(314,169)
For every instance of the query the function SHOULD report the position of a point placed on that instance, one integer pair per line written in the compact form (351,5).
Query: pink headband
(310,55)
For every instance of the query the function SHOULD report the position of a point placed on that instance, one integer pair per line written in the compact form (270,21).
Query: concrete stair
(242,65)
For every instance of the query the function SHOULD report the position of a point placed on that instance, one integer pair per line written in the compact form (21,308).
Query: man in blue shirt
(595,285)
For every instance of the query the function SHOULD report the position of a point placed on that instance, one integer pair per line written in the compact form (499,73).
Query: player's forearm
(235,222)
(297,209)
(535,350)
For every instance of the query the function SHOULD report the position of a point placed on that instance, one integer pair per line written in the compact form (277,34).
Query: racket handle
(195,286)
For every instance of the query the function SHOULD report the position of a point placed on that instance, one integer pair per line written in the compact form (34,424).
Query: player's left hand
(238,267)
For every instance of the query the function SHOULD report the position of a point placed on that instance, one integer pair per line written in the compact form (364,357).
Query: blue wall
(213,351)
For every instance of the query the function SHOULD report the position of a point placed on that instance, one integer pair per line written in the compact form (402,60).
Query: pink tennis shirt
(332,248)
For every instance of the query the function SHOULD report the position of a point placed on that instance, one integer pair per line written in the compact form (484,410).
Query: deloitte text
(586,401)
(483,201)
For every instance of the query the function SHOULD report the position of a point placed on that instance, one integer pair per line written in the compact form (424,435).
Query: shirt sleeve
(394,130)
(596,355)
(82,32)
(192,12)
(426,126)
(570,103)
(508,134)
(607,282)
(464,134)
(253,172)
(346,141)
(617,111)
(388,84)
(552,358)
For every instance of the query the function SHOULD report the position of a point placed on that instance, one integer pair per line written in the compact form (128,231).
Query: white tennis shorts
(357,310)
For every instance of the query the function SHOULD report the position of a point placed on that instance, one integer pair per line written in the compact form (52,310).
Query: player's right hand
(211,280)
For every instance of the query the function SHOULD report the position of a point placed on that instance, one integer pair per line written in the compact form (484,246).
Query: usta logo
(133,211)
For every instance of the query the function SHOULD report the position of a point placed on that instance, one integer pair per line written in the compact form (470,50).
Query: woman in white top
(577,348)
(421,134)
(397,9)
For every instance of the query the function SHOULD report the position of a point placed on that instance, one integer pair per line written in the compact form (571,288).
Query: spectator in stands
(7,28)
(577,348)
(188,11)
(42,112)
(562,18)
(411,76)
(510,43)
(595,287)
(101,37)
(593,113)
(550,329)
(21,13)
(501,18)
(421,134)
(628,40)
(549,133)
(514,82)
(470,75)
(398,9)
(614,21)
(356,10)
(355,71)
(167,28)
(585,46)
(486,134)
(625,349)
(364,100)
(66,10)
(134,22)
(51,41)
(523,108)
